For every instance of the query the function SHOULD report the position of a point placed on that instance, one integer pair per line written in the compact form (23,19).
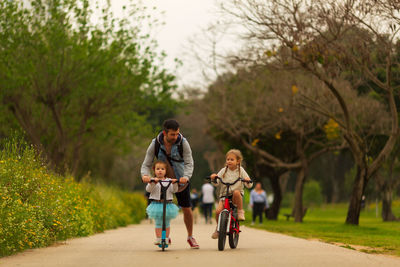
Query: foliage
(39,207)
(288,200)
(81,83)
(312,195)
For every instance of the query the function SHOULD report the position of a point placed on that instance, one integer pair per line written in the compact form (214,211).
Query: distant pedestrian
(259,202)
(208,200)
(194,199)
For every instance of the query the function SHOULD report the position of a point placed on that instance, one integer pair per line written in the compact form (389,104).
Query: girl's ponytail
(226,169)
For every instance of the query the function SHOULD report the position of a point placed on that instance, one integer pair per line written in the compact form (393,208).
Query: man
(170,146)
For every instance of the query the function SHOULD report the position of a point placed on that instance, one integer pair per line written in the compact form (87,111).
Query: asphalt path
(133,246)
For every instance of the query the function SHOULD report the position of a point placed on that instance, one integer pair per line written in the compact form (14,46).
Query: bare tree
(332,39)
(258,108)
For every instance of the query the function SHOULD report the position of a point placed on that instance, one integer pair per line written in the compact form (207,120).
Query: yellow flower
(278,135)
(332,129)
(255,141)
(280,109)
(295,89)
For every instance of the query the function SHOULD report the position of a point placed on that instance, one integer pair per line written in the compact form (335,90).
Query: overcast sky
(183,20)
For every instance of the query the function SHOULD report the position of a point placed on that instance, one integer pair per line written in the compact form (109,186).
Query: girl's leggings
(159,222)
(258,210)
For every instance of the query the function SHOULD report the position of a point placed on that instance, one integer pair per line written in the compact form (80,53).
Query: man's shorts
(183,197)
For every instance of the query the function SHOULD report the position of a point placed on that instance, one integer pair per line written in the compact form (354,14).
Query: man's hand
(183,180)
(146,179)
(247,179)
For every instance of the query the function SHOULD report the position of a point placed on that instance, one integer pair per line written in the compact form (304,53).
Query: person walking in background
(258,201)
(194,199)
(208,200)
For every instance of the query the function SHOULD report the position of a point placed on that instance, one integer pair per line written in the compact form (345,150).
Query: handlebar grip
(211,180)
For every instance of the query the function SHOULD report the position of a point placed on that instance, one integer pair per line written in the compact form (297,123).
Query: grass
(326,223)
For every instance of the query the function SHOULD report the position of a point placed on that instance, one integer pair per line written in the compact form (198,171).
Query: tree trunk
(387,214)
(360,182)
(274,208)
(298,195)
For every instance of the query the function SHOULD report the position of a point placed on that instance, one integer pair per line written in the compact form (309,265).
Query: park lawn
(326,224)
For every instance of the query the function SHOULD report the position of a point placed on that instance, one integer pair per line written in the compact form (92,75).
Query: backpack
(158,147)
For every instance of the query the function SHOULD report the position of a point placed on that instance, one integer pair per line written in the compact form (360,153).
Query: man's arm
(147,162)
(188,160)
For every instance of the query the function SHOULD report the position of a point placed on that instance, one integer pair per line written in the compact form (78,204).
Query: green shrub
(287,200)
(38,207)
(312,194)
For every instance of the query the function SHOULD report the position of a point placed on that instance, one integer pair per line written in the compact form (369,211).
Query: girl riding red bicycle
(229,174)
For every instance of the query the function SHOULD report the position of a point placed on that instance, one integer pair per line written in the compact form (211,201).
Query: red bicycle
(228,223)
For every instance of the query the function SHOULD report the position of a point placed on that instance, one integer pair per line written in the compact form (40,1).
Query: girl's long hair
(238,156)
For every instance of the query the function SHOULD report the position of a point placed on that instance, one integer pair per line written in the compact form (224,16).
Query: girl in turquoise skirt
(155,209)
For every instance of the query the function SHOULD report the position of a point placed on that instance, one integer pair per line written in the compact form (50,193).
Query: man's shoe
(193,243)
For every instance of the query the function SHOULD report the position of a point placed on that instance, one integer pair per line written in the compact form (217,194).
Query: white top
(155,190)
(230,177)
(207,190)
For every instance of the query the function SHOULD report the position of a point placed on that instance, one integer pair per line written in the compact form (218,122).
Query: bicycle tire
(222,230)
(234,237)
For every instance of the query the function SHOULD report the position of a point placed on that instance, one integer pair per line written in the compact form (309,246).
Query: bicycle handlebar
(222,182)
(171,181)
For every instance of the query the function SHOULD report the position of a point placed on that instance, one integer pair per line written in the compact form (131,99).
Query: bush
(312,195)
(288,200)
(38,207)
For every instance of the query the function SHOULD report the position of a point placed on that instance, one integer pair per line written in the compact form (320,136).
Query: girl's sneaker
(157,241)
(215,234)
(241,215)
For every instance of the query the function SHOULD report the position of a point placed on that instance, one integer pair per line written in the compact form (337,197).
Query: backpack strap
(156,148)
(180,147)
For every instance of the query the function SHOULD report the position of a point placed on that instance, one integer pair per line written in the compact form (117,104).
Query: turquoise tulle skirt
(155,211)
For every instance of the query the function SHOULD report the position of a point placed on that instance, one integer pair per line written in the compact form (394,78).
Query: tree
(324,38)
(387,182)
(259,110)
(75,87)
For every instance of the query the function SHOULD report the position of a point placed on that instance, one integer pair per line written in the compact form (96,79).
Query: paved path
(132,246)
